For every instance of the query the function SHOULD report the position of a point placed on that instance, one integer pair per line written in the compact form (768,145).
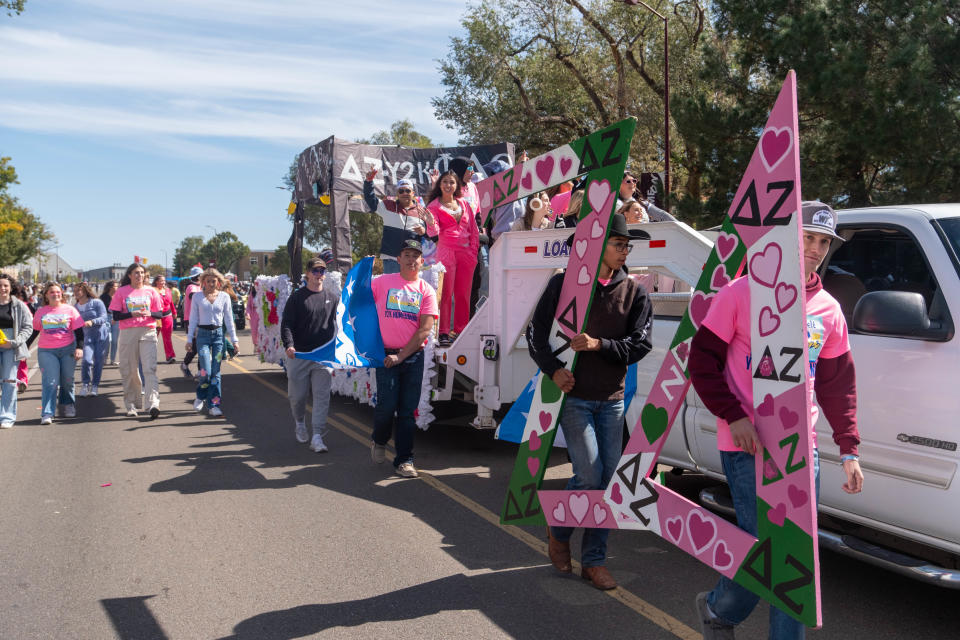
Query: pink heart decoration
(583,278)
(699,305)
(559,513)
(485,200)
(769,321)
(765,266)
(599,514)
(596,230)
(565,165)
(533,464)
(701,529)
(535,442)
(720,278)
(546,420)
(675,528)
(766,407)
(545,169)
(527,181)
(786,295)
(683,349)
(599,195)
(798,497)
(722,558)
(615,494)
(580,246)
(789,418)
(579,503)
(777,514)
(774,146)
(726,243)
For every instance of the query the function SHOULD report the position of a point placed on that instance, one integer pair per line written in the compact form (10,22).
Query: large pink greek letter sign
(781,564)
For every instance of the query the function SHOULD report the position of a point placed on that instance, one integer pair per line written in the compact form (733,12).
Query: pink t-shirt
(729,319)
(127,300)
(400,303)
(56,325)
(188,292)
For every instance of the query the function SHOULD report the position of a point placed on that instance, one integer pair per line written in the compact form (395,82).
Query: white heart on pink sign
(598,195)
(596,230)
(560,513)
(580,246)
(579,503)
(584,276)
(485,201)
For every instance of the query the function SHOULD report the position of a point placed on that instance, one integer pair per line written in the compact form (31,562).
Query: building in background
(103,274)
(43,267)
(253,264)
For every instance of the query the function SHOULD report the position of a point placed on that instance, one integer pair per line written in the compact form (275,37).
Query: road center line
(655,615)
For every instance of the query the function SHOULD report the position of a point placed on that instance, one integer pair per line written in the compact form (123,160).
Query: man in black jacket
(617,333)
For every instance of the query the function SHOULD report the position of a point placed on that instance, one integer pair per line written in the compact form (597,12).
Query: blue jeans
(8,375)
(398,391)
(114,339)
(94,352)
(728,600)
(593,430)
(209,355)
(56,370)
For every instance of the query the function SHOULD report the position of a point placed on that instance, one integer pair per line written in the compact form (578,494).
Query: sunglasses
(404,190)
(318,271)
(630,181)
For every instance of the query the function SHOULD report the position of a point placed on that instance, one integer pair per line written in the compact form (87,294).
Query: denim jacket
(94,309)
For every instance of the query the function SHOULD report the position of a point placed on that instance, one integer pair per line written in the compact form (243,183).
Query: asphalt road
(198,527)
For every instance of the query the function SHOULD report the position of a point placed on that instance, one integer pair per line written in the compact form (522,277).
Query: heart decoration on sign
(565,165)
(545,169)
(777,514)
(775,145)
(485,201)
(584,276)
(798,497)
(720,278)
(699,305)
(786,295)
(580,246)
(765,266)
(599,514)
(726,243)
(675,529)
(598,195)
(527,181)
(701,530)
(559,512)
(722,558)
(616,495)
(533,464)
(535,441)
(596,230)
(579,503)
(769,322)
(546,419)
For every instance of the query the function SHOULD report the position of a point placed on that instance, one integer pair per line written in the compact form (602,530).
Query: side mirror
(898,314)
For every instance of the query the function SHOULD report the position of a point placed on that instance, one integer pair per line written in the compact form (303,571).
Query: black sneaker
(445,340)
(154,412)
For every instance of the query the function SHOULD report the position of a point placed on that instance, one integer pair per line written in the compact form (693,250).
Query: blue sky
(133,124)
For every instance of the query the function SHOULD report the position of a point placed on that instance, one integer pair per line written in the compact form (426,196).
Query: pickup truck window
(951,229)
(877,259)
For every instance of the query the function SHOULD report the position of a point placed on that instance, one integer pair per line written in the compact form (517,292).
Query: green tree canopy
(187,255)
(22,234)
(225,249)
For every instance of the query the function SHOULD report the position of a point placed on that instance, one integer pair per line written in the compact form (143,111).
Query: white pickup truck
(897,278)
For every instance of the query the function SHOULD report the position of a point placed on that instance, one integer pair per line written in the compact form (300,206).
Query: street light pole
(666,96)
(216,247)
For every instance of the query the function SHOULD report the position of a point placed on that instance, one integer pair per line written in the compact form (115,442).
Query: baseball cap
(404,182)
(819,218)
(410,243)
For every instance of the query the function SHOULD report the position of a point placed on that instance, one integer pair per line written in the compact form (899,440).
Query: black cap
(410,243)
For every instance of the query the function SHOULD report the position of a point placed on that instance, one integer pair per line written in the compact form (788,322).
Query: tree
(22,234)
(13,6)
(154,270)
(877,86)
(540,73)
(188,254)
(401,133)
(225,249)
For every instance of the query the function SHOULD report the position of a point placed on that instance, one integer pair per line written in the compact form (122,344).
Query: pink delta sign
(780,564)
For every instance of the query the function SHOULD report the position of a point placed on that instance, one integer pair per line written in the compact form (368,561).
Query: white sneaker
(198,405)
(46,420)
(215,411)
(69,411)
(6,424)
(317,444)
(93,390)
(378,453)
(407,470)
(84,391)
(132,412)
(301,431)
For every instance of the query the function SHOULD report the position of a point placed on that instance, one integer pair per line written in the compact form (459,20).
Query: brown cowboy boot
(599,577)
(559,553)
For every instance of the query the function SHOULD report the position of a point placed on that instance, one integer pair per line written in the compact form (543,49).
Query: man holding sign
(722,372)
(616,335)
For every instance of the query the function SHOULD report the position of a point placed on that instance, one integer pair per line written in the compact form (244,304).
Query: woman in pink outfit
(165,325)
(455,223)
